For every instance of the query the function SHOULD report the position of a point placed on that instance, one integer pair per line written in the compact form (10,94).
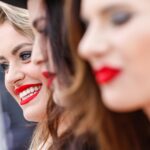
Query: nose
(14,76)
(94,43)
(39,51)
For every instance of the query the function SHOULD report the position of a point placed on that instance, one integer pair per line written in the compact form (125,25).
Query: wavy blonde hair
(18,17)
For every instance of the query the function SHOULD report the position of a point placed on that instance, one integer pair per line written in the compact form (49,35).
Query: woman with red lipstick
(114,37)
(29,91)
(22,78)
(49,27)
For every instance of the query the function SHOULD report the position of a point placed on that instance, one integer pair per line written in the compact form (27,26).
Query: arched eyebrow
(16,49)
(2,58)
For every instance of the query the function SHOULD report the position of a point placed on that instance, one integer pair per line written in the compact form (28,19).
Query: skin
(42,47)
(41,54)
(20,71)
(124,45)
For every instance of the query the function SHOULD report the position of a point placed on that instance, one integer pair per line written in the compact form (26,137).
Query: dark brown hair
(116,131)
(65,64)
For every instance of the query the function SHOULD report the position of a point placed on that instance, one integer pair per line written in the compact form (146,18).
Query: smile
(28,92)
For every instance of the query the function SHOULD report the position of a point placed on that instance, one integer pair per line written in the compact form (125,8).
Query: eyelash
(4,67)
(24,56)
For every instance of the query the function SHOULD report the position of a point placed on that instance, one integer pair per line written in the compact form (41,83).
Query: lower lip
(25,101)
(49,77)
(106,75)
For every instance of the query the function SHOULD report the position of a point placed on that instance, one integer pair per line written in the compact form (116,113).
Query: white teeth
(31,89)
(24,93)
(29,92)
(20,94)
(36,88)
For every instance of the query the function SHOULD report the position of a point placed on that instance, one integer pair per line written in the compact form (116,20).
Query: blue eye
(119,18)
(4,67)
(26,55)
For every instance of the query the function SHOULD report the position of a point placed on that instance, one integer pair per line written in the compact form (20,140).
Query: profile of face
(22,77)
(117,45)
(41,54)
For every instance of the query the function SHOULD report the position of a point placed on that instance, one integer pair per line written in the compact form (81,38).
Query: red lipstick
(24,87)
(25,101)
(106,74)
(49,76)
(29,98)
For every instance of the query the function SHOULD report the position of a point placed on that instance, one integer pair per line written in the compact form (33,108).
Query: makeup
(49,76)
(28,92)
(106,74)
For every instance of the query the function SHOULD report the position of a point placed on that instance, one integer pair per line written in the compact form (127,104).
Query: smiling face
(22,78)
(117,45)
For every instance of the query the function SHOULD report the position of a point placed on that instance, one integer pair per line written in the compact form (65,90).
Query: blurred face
(22,78)
(117,45)
(41,54)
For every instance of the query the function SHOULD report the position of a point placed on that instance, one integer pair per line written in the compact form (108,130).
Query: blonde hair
(17,17)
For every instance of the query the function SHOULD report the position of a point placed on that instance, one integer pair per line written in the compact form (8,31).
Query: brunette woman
(113,36)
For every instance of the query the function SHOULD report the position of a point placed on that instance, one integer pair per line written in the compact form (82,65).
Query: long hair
(17,17)
(65,64)
(126,131)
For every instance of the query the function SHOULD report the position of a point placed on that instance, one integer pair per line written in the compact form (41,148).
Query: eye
(4,67)
(119,18)
(40,25)
(26,55)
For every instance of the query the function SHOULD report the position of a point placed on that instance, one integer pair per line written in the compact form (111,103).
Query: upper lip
(106,74)
(24,87)
(48,75)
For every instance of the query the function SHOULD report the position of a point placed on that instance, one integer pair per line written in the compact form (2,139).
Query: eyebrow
(36,21)
(113,7)
(16,49)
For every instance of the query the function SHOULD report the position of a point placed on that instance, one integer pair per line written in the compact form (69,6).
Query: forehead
(96,6)
(10,37)
(36,9)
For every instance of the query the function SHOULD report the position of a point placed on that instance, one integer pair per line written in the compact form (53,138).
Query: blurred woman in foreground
(114,36)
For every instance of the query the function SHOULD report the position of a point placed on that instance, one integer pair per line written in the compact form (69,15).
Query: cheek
(133,43)
(9,86)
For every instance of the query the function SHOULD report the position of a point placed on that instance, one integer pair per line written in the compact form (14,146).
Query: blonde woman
(22,78)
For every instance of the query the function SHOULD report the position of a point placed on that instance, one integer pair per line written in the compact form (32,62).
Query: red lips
(23,102)
(49,76)
(106,74)
(24,87)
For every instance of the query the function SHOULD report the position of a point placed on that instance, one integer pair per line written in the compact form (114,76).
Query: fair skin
(41,54)
(118,36)
(43,48)
(22,78)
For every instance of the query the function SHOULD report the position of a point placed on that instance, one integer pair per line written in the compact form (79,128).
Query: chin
(33,117)
(115,103)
